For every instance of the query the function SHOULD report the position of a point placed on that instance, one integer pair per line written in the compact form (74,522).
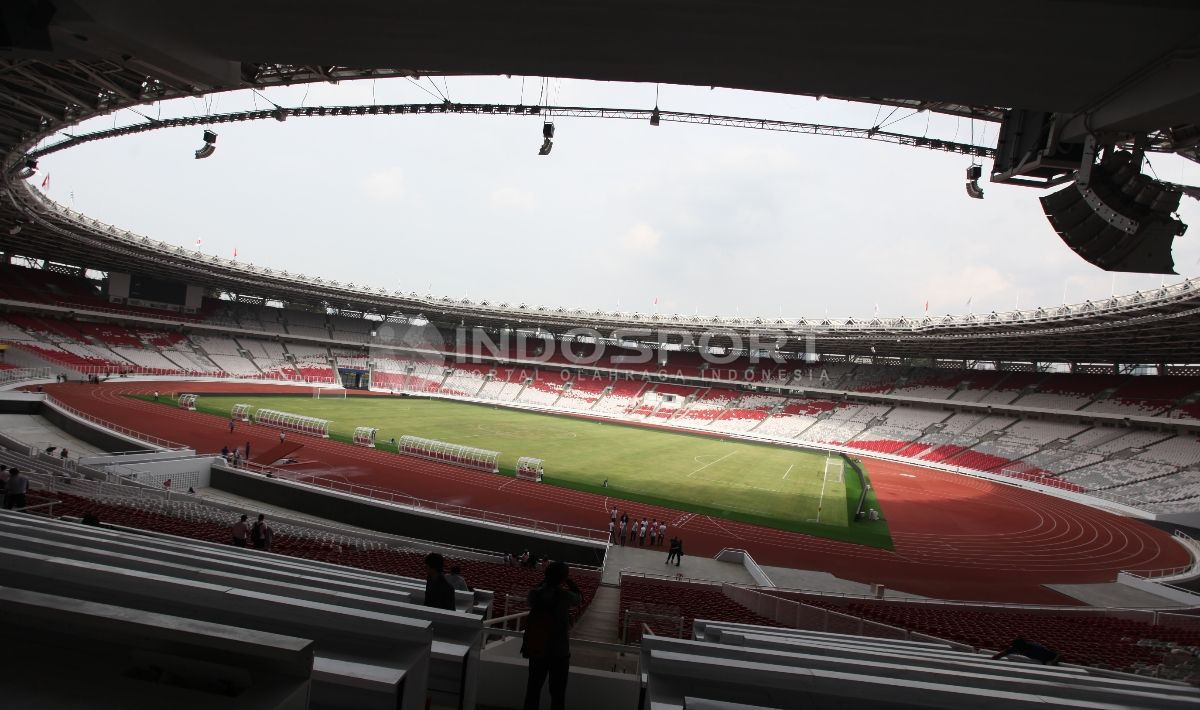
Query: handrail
(505,619)
(23,374)
(124,431)
(49,506)
(1189,570)
(587,643)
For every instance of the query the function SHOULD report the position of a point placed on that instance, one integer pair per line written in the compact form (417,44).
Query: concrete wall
(393,520)
(16,403)
(89,432)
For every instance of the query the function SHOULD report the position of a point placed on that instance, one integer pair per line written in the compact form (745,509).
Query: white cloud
(385,185)
(512,198)
(641,239)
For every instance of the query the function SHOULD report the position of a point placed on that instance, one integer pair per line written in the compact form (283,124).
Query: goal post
(530,469)
(328,393)
(292,422)
(240,413)
(188,402)
(365,436)
(454,454)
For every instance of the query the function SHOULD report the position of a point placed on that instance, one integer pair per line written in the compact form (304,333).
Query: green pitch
(792,489)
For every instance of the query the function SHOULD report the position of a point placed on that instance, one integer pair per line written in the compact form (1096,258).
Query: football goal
(465,456)
(188,402)
(240,413)
(530,469)
(292,422)
(328,393)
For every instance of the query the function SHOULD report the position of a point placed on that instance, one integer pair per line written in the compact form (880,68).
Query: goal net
(365,436)
(188,402)
(292,422)
(328,393)
(240,413)
(530,469)
(455,454)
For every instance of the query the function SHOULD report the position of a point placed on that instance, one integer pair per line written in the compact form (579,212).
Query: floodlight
(547,130)
(547,144)
(654,117)
(280,114)
(209,147)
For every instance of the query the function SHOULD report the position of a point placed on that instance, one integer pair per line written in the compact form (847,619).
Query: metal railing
(122,430)
(24,374)
(1190,569)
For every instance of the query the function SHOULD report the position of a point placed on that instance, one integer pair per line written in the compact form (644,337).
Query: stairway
(599,623)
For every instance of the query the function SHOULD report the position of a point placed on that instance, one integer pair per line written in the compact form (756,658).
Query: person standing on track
(282,436)
(231,421)
(642,534)
(662,533)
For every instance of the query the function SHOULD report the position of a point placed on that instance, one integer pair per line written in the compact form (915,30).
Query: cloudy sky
(707,220)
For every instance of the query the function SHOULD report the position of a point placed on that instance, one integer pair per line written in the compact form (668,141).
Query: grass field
(787,488)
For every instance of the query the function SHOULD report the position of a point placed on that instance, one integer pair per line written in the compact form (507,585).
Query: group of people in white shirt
(620,530)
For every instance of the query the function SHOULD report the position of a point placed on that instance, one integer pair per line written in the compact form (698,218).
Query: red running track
(956,537)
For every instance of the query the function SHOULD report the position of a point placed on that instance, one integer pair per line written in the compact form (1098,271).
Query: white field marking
(710,463)
(785,473)
(908,475)
(824,478)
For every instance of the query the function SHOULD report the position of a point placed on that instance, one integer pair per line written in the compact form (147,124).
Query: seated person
(1029,649)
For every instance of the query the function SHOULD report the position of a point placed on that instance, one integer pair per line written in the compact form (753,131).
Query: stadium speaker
(1120,219)
(209,147)
(973,189)
(28,169)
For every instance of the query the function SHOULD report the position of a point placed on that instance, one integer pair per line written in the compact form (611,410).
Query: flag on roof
(46,182)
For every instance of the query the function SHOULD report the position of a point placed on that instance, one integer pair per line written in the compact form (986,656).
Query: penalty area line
(785,473)
(693,473)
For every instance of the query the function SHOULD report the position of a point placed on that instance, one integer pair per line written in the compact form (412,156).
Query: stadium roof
(1124,65)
